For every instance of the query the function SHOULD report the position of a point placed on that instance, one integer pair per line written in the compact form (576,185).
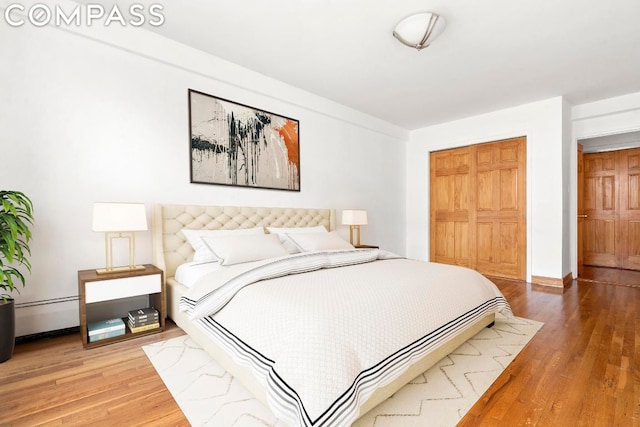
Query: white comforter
(323,330)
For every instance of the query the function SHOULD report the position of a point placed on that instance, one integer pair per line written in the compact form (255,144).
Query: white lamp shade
(354,217)
(419,30)
(119,217)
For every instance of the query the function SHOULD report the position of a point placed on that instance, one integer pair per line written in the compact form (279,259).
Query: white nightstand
(107,296)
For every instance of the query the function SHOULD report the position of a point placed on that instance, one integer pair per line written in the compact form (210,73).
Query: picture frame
(239,145)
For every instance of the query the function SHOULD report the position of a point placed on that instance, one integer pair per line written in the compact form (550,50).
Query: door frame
(577,136)
(580,216)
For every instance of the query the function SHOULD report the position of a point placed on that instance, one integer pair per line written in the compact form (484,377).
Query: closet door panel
(449,211)
(629,256)
(478,207)
(601,226)
(508,239)
(508,190)
(501,186)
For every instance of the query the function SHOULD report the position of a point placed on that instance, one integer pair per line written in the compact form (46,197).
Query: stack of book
(105,329)
(143,319)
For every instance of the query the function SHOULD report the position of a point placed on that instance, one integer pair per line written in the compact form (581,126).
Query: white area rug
(209,396)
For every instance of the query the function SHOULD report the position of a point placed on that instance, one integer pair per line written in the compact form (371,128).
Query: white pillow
(319,241)
(237,249)
(283,232)
(202,252)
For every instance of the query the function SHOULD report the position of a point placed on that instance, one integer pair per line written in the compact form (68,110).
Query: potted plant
(16,216)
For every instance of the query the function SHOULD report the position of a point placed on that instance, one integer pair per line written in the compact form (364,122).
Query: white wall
(101,114)
(601,118)
(541,123)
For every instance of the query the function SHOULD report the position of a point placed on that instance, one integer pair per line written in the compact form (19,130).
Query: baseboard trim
(563,283)
(567,280)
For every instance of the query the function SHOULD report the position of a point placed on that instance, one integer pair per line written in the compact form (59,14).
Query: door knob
(582,216)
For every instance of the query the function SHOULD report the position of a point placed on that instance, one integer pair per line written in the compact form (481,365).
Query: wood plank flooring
(581,369)
(57,382)
(610,276)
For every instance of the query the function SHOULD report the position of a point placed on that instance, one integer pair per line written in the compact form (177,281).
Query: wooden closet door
(450,173)
(601,207)
(629,256)
(478,207)
(501,208)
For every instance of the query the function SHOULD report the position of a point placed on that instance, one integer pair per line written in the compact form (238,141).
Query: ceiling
(493,54)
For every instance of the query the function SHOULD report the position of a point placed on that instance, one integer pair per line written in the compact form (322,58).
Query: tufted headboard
(170,247)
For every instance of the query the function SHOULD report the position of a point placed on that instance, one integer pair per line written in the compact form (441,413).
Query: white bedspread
(323,330)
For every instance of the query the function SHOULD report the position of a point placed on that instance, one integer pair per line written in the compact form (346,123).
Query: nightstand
(366,247)
(108,296)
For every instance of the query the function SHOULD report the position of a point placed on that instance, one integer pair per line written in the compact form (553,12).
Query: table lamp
(354,218)
(119,221)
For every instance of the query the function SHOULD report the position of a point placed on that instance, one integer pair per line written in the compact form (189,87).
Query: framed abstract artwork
(234,144)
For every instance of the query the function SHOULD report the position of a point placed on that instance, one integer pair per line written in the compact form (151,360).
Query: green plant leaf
(16,219)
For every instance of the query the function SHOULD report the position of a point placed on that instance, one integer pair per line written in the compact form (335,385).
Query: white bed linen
(323,341)
(190,272)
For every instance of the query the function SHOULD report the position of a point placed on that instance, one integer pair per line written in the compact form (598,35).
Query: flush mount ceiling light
(419,30)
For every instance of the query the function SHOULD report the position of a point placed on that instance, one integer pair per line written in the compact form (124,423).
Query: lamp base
(120,269)
(354,229)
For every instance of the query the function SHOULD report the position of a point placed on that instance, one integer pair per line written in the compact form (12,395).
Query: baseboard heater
(40,336)
(46,334)
(47,302)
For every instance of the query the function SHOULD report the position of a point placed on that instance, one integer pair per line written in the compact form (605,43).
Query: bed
(264,320)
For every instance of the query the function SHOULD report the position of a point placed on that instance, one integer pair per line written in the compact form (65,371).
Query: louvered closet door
(478,207)
(601,207)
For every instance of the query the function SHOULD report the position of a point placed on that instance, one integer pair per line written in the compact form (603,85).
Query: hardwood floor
(57,382)
(610,276)
(582,368)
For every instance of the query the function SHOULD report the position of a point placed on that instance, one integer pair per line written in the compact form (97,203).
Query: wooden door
(450,173)
(501,208)
(600,207)
(478,207)
(629,172)
(581,214)
(611,235)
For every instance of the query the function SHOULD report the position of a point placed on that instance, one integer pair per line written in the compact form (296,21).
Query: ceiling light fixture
(419,30)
